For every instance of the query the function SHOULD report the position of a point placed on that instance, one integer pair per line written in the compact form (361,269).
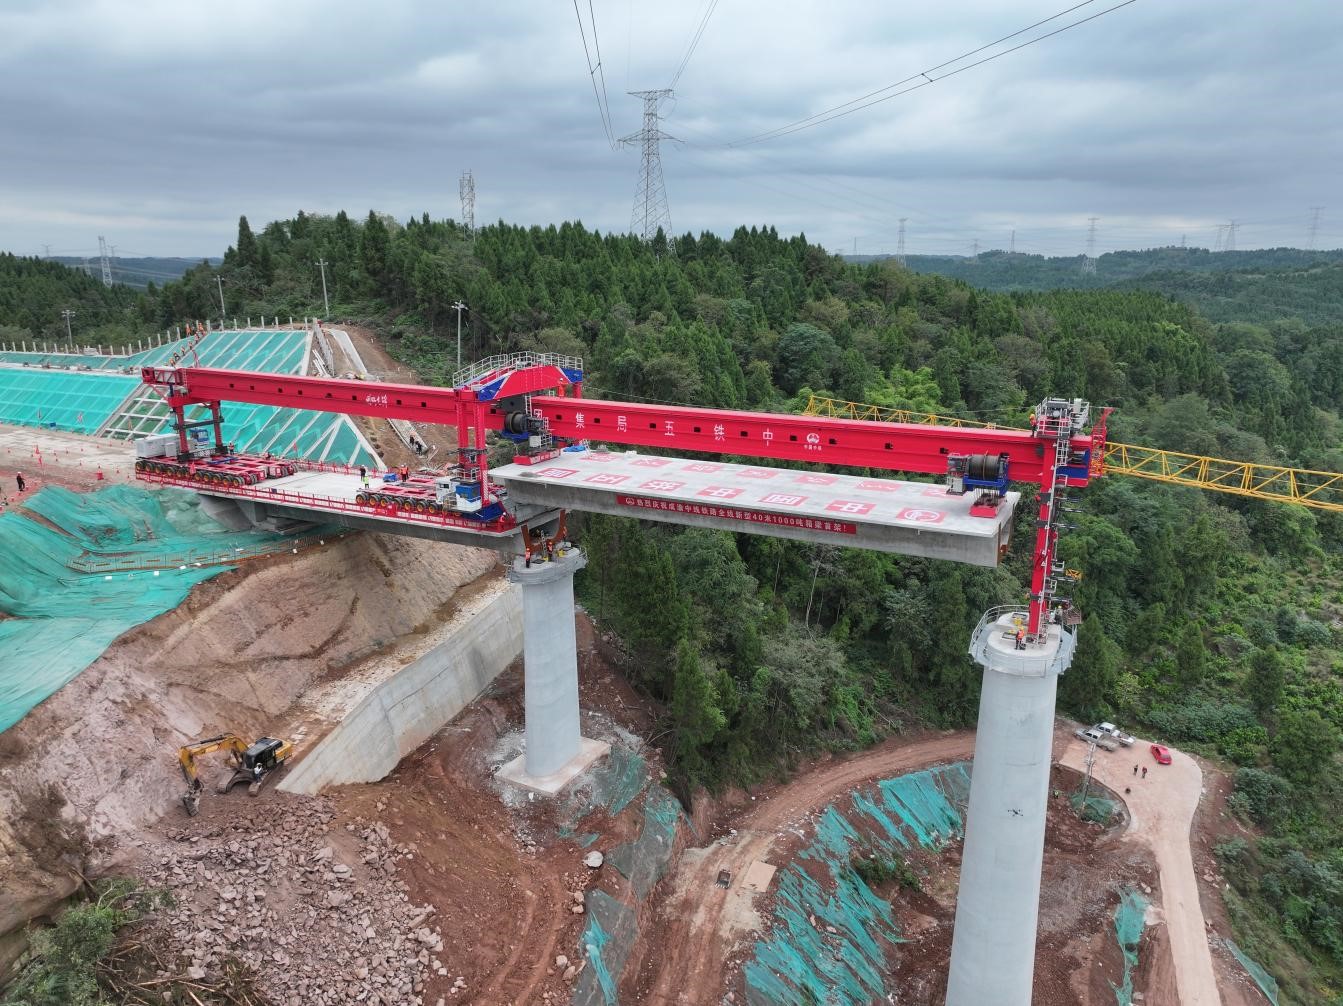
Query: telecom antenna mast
(107,264)
(650,199)
(466,189)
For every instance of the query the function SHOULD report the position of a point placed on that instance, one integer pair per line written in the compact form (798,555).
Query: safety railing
(513,361)
(1028,661)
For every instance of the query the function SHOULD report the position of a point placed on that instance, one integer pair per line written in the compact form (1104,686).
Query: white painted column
(997,908)
(555,751)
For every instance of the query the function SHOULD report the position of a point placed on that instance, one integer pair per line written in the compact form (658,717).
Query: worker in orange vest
(1021,638)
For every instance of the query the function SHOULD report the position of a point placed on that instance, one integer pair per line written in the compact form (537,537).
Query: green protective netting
(1093,808)
(612,786)
(644,861)
(1130,917)
(806,962)
(63,400)
(115,562)
(610,932)
(1266,982)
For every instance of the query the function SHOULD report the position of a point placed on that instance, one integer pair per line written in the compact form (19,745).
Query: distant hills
(1257,285)
(136,272)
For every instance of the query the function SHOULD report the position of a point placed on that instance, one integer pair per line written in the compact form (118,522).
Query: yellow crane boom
(1299,486)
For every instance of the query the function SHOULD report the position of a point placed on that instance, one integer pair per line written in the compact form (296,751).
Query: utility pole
(1315,212)
(1086,780)
(900,242)
(222,310)
(650,198)
(326,304)
(107,266)
(459,307)
(466,189)
(1089,262)
(67,314)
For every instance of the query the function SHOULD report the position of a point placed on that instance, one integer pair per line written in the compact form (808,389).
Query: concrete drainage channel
(408,708)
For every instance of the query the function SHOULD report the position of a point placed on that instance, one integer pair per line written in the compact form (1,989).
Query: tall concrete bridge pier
(997,909)
(555,750)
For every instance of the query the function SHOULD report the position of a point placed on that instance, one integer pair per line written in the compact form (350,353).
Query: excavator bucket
(191,800)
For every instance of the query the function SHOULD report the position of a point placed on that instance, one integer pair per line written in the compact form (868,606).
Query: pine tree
(1094,671)
(696,718)
(246,247)
(1265,681)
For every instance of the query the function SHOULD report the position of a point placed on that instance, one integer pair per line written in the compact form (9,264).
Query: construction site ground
(476,886)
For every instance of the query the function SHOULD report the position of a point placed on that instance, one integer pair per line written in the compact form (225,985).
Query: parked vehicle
(1113,731)
(1161,753)
(1093,736)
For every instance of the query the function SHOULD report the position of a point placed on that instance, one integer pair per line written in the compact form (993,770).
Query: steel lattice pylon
(650,199)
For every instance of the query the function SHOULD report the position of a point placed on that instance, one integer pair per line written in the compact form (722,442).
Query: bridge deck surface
(915,518)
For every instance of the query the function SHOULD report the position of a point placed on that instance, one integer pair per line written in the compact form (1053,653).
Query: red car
(1161,753)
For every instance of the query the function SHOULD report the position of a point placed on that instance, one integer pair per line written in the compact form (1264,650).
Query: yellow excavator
(251,764)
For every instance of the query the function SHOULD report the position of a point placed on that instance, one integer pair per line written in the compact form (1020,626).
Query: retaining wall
(408,708)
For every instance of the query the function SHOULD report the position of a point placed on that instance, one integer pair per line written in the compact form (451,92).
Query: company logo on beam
(557,473)
(782,499)
(606,479)
(878,486)
(720,492)
(736,513)
(815,480)
(920,516)
(652,462)
(661,485)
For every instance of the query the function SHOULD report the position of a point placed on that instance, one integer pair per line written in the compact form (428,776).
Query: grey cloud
(159,123)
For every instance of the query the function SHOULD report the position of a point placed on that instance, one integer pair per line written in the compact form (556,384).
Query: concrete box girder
(911,518)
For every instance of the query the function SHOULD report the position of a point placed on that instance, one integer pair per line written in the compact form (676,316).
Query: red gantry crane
(536,401)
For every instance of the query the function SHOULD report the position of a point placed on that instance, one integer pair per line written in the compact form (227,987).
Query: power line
(592,75)
(924,77)
(606,102)
(694,42)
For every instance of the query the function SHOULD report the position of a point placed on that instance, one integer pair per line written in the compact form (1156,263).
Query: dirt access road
(1161,809)
(700,921)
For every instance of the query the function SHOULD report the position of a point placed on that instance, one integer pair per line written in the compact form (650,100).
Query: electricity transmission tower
(67,314)
(107,265)
(650,199)
(1230,236)
(1012,243)
(900,242)
(1089,262)
(1315,212)
(466,189)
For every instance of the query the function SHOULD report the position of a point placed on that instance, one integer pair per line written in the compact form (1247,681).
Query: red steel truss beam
(858,443)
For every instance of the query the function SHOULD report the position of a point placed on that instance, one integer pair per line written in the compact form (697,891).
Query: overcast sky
(156,123)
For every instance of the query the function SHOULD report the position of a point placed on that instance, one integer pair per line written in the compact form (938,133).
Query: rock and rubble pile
(316,910)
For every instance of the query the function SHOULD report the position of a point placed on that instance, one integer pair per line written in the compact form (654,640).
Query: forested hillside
(33,293)
(1262,285)
(1213,622)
